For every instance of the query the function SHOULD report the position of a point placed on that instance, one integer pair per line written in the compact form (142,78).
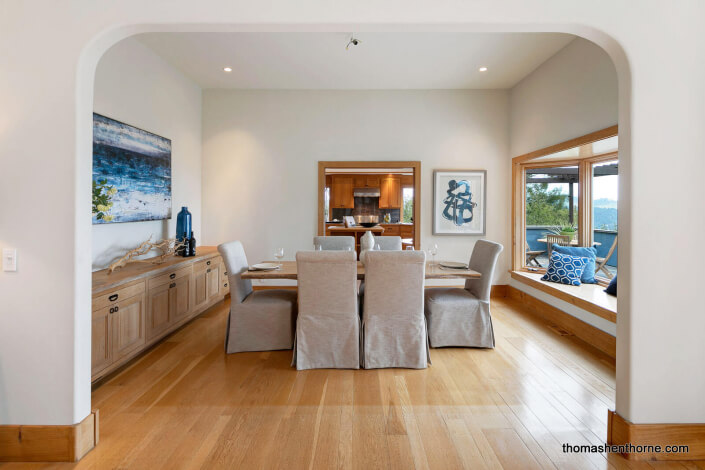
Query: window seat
(589,297)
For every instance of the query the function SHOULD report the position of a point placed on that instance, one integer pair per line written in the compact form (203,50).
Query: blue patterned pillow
(565,269)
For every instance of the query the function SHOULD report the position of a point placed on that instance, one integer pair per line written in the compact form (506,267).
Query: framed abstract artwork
(459,202)
(131,173)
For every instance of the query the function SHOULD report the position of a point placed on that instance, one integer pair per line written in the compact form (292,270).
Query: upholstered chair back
(483,260)
(233,255)
(388,243)
(328,324)
(335,243)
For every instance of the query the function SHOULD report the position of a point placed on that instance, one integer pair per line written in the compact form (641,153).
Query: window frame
(585,163)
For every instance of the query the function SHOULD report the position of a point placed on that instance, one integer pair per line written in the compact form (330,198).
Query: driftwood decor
(168,248)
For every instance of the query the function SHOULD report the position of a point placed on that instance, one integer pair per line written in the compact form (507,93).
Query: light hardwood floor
(188,405)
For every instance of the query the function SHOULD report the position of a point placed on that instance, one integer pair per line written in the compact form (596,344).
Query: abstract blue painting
(131,173)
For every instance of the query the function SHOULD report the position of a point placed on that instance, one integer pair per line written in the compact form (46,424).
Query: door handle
(172,275)
(112,310)
(208,270)
(173,284)
(208,263)
(113,298)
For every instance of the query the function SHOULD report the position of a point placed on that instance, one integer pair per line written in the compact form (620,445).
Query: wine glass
(377,247)
(318,247)
(433,251)
(279,254)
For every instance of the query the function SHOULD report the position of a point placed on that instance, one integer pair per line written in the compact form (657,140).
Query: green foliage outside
(102,194)
(408,210)
(544,207)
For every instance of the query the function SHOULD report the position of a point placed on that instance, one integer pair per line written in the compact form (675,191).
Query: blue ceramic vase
(183,224)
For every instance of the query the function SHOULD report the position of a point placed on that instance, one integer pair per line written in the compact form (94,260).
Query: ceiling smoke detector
(353,41)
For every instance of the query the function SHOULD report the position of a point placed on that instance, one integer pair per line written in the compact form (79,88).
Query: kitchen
(381,200)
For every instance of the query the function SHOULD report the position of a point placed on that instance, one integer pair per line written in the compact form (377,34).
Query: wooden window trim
(527,161)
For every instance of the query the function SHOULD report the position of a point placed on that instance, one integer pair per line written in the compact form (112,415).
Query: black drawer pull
(208,263)
(173,284)
(117,308)
(208,270)
(113,298)
(172,275)
(225,285)
(225,273)
(112,310)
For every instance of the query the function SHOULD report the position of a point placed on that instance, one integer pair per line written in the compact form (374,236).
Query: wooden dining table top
(433,271)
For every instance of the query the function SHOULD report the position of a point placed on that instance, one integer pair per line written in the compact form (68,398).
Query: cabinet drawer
(169,277)
(391,230)
(113,296)
(407,231)
(205,264)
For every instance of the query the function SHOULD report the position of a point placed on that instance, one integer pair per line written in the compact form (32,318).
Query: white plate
(453,265)
(265,266)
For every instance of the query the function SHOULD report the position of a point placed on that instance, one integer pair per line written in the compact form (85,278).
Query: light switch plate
(9,259)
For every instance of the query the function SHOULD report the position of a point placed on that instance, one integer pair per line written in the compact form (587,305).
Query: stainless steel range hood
(366,192)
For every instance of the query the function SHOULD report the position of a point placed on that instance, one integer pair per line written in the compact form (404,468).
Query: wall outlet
(9,259)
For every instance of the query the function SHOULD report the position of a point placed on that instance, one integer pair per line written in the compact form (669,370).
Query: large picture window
(567,192)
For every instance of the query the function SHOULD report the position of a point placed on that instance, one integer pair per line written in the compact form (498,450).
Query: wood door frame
(523,162)
(414,165)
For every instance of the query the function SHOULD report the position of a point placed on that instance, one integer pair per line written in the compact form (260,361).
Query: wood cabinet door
(200,288)
(180,299)
(157,310)
(372,181)
(213,282)
(394,191)
(101,350)
(128,327)
(342,192)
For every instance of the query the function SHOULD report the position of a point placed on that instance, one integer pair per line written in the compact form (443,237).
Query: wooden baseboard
(588,333)
(622,432)
(49,443)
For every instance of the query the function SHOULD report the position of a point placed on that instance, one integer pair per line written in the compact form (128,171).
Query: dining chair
(393,324)
(600,263)
(388,243)
(335,243)
(328,325)
(552,238)
(260,320)
(461,317)
(531,255)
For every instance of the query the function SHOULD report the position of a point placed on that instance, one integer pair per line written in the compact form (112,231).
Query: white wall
(48,62)
(573,93)
(261,151)
(136,86)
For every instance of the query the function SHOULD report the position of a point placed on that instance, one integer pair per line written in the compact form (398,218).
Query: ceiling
(381,61)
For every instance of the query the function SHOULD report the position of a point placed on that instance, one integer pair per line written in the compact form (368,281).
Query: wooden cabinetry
(407,231)
(366,181)
(140,304)
(391,230)
(341,192)
(390,193)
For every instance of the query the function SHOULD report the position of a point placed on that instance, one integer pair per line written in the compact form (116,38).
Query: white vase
(367,242)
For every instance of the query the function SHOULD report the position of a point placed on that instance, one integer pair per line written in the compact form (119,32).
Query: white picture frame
(459,202)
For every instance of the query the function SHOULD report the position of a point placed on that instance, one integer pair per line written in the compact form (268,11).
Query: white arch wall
(48,54)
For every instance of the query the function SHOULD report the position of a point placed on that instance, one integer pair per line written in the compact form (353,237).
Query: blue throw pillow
(612,288)
(565,269)
(588,275)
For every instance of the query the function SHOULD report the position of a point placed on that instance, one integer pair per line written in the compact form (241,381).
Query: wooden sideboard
(139,304)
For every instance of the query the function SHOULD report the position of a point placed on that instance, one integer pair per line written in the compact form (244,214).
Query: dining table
(434,270)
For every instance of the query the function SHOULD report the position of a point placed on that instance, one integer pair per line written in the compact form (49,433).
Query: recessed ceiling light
(483,69)
(227,69)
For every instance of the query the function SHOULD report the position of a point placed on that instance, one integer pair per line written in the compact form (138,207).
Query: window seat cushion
(588,275)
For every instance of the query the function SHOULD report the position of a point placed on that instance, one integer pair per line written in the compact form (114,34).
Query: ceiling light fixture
(227,69)
(353,40)
(483,69)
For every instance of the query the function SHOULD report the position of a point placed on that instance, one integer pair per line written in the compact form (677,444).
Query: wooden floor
(188,405)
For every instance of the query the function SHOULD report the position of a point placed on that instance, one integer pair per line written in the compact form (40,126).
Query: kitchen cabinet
(341,192)
(366,181)
(390,193)
(101,353)
(127,324)
(407,231)
(393,230)
(206,278)
(223,286)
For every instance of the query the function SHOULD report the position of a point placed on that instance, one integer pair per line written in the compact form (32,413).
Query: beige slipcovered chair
(259,320)
(328,325)
(393,324)
(335,243)
(388,243)
(461,317)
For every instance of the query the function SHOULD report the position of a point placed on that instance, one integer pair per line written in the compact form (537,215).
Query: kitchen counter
(359,228)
